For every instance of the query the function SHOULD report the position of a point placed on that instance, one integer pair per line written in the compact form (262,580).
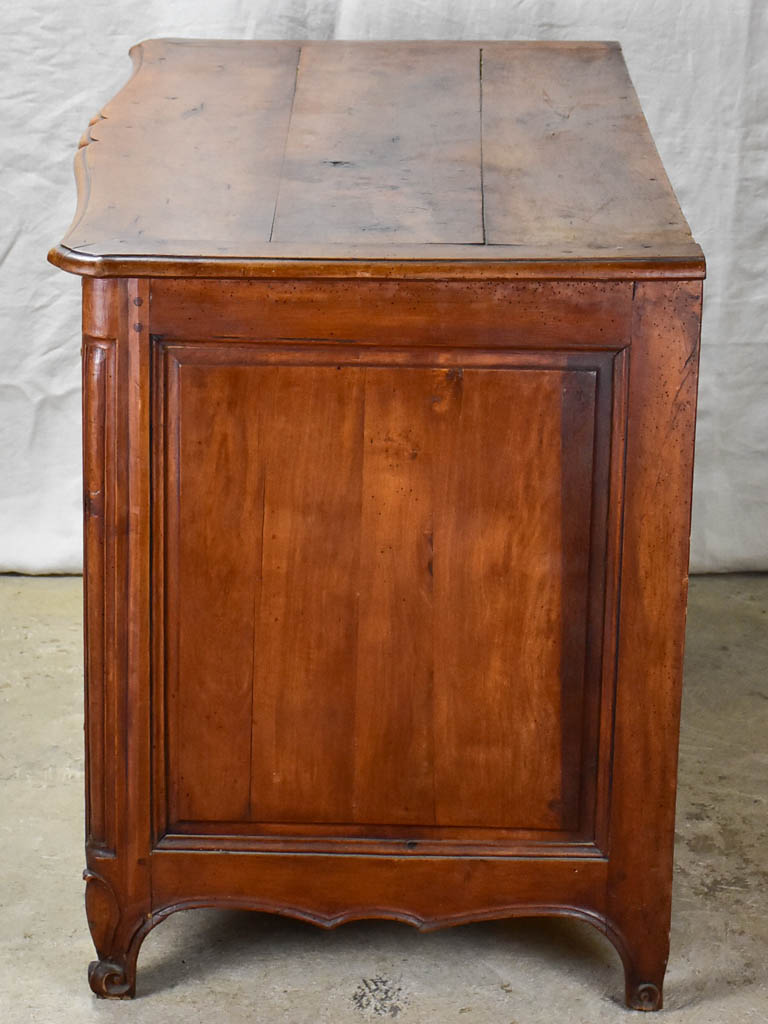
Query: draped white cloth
(700,68)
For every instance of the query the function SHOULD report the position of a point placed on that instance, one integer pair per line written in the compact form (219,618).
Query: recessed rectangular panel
(382,578)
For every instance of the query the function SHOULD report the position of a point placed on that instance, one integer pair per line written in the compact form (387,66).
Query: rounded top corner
(74,262)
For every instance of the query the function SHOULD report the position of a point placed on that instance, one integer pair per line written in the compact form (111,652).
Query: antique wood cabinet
(390,356)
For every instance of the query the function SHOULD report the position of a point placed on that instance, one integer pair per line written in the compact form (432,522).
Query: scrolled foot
(644,996)
(111,979)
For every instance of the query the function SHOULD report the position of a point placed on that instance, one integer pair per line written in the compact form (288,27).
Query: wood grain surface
(501,155)
(421,533)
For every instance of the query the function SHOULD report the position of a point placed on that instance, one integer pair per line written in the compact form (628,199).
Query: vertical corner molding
(99,581)
(115,503)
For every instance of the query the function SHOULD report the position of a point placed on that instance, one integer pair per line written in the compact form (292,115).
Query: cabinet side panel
(379,576)
(662,409)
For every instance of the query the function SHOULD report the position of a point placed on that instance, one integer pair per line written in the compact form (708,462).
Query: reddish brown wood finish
(388,557)
(373,496)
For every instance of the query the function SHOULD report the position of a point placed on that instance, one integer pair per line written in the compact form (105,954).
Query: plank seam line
(482,179)
(285,144)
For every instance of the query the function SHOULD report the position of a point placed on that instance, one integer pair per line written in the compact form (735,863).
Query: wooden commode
(390,356)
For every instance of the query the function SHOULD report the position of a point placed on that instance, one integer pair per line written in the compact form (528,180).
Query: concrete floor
(210,966)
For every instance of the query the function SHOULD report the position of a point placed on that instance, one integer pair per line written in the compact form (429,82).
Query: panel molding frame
(611,365)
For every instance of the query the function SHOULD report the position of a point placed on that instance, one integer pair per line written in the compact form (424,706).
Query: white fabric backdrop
(699,66)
